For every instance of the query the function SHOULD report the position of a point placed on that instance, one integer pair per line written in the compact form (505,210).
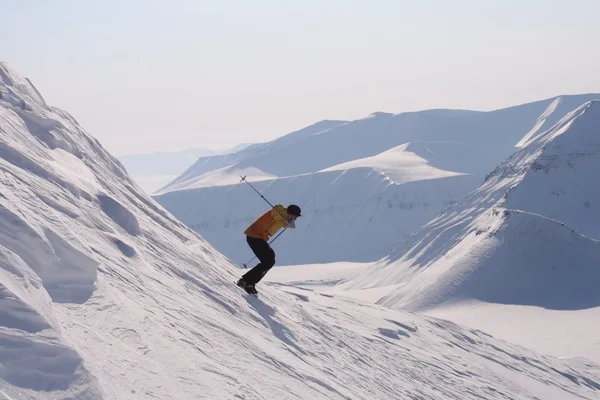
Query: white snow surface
(525,243)
(399,165)
(106,296)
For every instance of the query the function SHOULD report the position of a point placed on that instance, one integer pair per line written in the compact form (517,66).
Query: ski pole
(279,234)
(244,180)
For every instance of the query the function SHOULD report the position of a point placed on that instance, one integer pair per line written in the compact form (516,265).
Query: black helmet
(293,209)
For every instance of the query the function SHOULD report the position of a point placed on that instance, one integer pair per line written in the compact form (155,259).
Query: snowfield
(105,295)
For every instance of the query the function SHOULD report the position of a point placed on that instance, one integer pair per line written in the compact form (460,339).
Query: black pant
(265,255)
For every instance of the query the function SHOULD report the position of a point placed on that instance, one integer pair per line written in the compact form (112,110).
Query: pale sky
(149,75)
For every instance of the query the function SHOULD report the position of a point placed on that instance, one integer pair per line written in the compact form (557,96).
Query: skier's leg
(266,264)
(265,255)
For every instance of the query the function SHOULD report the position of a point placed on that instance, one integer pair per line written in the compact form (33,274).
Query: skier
(257,236)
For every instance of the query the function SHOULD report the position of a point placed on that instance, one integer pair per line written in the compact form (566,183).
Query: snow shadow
(125,249)
(37,366)
(119,214)
(393,333)
(279,330)
(561,287)
(73,276)
(16,314)
(540,262)
(412,329)
(67,274)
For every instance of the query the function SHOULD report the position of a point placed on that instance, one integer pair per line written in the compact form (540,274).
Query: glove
(290,223)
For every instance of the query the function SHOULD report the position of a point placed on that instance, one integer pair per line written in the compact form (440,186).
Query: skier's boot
(249,288)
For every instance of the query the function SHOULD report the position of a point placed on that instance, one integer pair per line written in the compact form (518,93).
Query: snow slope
(528,237)
(399,165)
(106,296)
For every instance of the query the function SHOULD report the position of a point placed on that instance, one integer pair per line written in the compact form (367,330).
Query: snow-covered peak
(581,125)
(44,128)
(561,180)
(18,90)
(566,155)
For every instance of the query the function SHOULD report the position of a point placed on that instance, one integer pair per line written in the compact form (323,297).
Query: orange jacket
(267,224)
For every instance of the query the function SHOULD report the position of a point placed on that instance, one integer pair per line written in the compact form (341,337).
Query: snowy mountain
(220,170)
(106,296)
(154,170)
(362,184)
(456,140)
(527,240)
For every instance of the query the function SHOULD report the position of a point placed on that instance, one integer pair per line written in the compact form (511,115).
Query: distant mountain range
(154,170)
(362,184)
